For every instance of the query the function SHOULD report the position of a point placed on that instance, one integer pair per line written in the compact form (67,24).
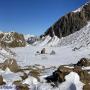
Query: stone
(1,80)
(83,62)
(43,51)
(11,64)
(86,87)
(52,52)
(22,87)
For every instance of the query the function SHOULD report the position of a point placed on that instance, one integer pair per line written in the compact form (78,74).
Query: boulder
(77,69)
(1,80)
(43,51)
(11,64)
(59,75)
(83,62)
(52,52)
(22,87)
(86,87)
(62,71)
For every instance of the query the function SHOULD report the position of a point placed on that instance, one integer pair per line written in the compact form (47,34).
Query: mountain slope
(12,39)
(70,23)
(78,39)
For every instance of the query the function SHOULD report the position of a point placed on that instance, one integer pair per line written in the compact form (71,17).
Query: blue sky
(33,16)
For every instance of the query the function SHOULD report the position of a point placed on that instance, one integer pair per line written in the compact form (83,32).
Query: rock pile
(59,75)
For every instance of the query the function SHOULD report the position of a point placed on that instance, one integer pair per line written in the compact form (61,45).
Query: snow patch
(72,82)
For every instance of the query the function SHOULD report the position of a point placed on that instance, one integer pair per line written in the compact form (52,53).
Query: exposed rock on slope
(70,23)
(12,39)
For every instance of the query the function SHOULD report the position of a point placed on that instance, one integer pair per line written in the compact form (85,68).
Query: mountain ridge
(70,23)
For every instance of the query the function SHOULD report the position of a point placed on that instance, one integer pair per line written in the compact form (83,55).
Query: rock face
(70,23)
(12,39)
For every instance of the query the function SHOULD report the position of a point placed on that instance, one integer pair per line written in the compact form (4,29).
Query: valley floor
(63,55)
(28,58)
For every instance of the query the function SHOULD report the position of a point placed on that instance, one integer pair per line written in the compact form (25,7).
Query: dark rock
(43,51)
(1,80)
(83,62)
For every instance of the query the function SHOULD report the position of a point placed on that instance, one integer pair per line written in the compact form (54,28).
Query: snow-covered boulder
(58,76)
(72,82)
(11,64)
(30,80)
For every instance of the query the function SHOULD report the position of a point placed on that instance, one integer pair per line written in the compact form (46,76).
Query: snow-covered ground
(64,55)
(5,53)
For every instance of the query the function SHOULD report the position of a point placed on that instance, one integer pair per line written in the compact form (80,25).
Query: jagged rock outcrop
(70,23)
(12,39)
